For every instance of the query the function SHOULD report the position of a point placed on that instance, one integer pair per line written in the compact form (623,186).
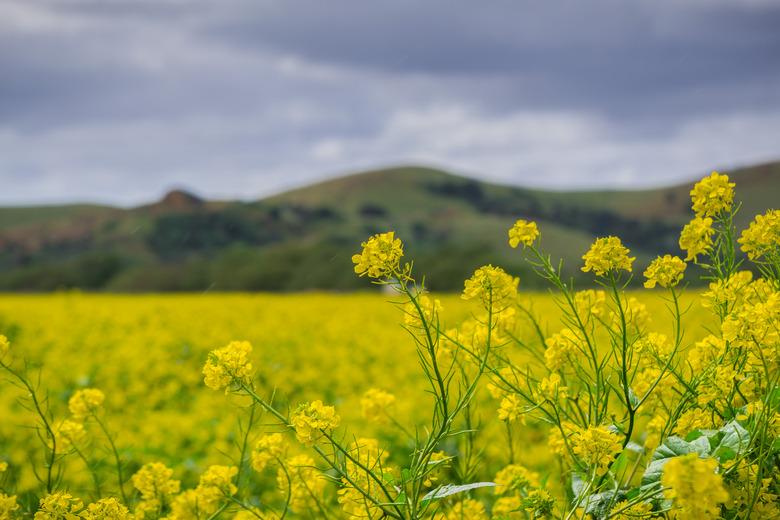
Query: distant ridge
(303,239)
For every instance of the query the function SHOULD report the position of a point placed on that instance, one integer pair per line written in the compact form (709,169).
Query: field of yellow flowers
(495,403)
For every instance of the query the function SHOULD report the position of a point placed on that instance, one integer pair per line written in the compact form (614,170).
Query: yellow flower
(605,255)
(712,195)
(376,404)
(5,346)
(560,347)
(85,402)
(430,310)
(508,507)
(228,365)
(705,352)
(514,478)
(666,271)
(622,511)
(467,509)
(380,257)
(762,236)
(3,467)
(491,285)
(438,461)
(696,237)
(694,487)
(106,509)
(69,433)
(597,446)
(311,419)
(552,389)
(269,447)
(302,481)
(539,503)
(693,419)
(655,345)
(59,506)
(8,506)
(219,480)
(153,481)
(511,408)
(523,232)
(590,303)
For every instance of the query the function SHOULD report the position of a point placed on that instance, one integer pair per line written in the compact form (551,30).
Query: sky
(118,101)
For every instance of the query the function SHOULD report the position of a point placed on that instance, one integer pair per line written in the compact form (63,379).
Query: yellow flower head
(8,506)
(69,433)
(228,365)
(491,285)
(219,480)
(106,509)
(59,506)
(551,388)
(511,408)
(376,404)
(468,509)
(597,446)
(666,271)
(623,511)
(269,447)
(696,237)
(694,487)
(153,481)
(380,257)
(712,195)
(311,419)
(523,232)
(607,254)
(560,347)
(85,402)
(515,478)
(430,307)
(538,504)
(5,346)
(3,467)
(762,236)
(590,303)
(302,481)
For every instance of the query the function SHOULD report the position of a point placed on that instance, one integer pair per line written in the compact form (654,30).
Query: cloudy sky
(119,100)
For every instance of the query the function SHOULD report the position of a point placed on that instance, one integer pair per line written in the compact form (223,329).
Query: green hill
(303,239)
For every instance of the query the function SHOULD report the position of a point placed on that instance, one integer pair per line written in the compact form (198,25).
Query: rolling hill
(303,239)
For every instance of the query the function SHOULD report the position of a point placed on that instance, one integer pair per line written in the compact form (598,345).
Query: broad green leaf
(449,489)
(672,447)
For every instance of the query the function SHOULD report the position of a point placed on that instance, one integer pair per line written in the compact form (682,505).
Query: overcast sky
(117,101)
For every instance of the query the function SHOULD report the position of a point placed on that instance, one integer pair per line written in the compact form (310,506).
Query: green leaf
(734,441)
(449,489)
(672,447)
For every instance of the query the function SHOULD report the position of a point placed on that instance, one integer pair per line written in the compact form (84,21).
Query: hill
(303,239)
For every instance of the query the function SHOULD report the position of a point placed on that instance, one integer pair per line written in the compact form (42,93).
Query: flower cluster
(696,237)
(596,446)
(229,365)
(666,271)
(762,237)
(380,257)
(86,402)
(712,195)
(492,286)
(310,420)
(694,487)
(523,232)
(5,346)
(607,255)
(268,447)
(376,404)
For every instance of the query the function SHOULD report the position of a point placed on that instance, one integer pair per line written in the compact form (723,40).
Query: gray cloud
(117,100)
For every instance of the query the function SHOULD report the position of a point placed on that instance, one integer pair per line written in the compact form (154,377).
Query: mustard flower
(5,346)
(3,467)
(228,365)
(302,481)
(623,511)
(712,195)
(590,303)
(430,307)
(705,352)
(193,504)
(596,446)
(468,509)
(511,408)
(523,232)
(606,255)
(693,419)
(85,402)
(59,506)
(762,236)
(666,271)
(268,447)
(380,257)
(551,388)
(508,507)
(106,509)
(69,433)
(515,478)
(694,487)
(560,347)
(656,345)
(438,461)
(8,506)
(491,285)
(154,480)
(219,480)
(376,404)
(538,503)
(311,419)
(696,237)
